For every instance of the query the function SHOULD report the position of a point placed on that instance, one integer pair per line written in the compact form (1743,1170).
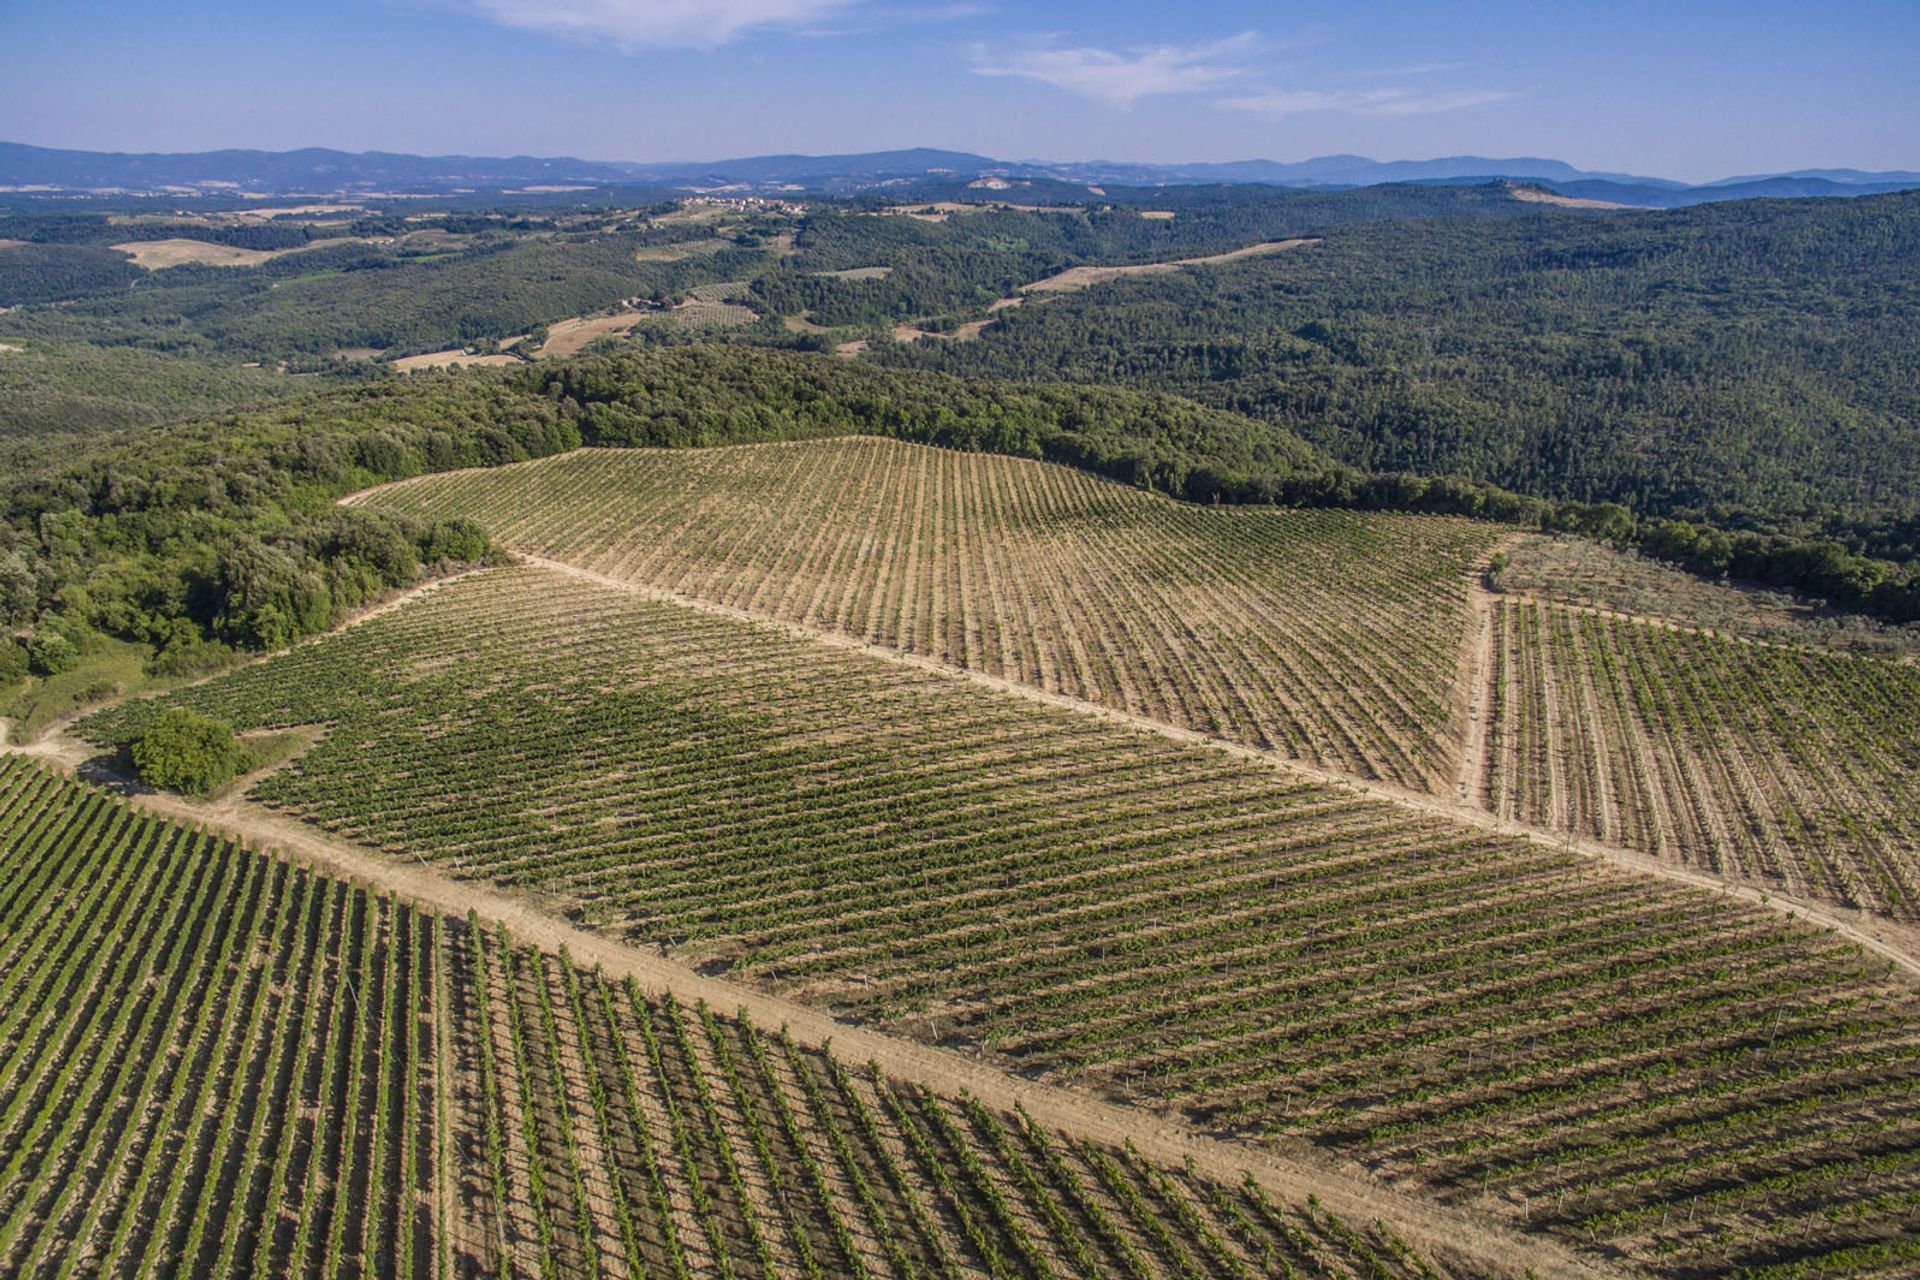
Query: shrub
(51,652)
(184,751)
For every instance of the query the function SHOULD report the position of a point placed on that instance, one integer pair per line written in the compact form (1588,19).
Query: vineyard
(1694,1083)
(1329,636)
(267,1072)
(1786,767)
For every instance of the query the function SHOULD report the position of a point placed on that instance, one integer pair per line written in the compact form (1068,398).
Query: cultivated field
(1781,766)
(1330,636)
(1696,1083)
(566,337)
(1074,279)
(454,358)
(156,255)
(700,315)
(213,1062)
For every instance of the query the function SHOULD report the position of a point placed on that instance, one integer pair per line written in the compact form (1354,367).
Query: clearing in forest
(1328,636)
(453,358)
(156,255)
(1076,278)
(566,337)
(1697,1082)
(215,1062)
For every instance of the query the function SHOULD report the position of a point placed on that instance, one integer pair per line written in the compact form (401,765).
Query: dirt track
(1893,942)
(1158,1136)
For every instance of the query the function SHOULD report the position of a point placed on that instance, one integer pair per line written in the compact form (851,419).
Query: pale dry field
(564,337)
(1076,278)
(1539,195)
(455,358)
(156,255)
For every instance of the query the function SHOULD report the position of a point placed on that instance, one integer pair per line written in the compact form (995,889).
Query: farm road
(1158,1136)
(1892,942)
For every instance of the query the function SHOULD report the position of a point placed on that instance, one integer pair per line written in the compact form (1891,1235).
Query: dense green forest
(54,390)
(350,295)
(1749,364)
(943,272)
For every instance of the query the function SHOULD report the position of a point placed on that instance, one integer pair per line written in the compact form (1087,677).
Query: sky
(1694,90)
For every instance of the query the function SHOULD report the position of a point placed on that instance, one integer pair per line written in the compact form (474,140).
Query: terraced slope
(1329,636)
(1780,766)
(215,1063)
(1700,1085)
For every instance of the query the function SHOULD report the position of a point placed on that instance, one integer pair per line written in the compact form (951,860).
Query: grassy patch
(111,668)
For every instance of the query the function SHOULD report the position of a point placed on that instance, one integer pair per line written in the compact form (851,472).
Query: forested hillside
(1746,364)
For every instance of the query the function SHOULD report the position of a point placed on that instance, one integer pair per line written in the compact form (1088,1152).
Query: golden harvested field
(1330,636)
(1539,195)
(565,337)
(1076,278)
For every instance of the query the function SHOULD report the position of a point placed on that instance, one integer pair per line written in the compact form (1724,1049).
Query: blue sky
(1691,89)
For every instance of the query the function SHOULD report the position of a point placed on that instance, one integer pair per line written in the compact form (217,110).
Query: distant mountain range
(323,172)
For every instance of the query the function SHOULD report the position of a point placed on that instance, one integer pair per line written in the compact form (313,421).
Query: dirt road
(1158,1136)
(1893,942)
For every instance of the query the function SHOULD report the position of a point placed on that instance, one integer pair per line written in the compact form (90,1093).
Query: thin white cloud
(654,24)
(1411,69)
(1120,78)
(1361,102)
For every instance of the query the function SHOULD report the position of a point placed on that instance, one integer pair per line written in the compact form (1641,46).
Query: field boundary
(1890,941)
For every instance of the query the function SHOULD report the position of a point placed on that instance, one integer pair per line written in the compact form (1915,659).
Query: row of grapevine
(1788,768)
(1508,1025)
(214,1063)
(1326,635)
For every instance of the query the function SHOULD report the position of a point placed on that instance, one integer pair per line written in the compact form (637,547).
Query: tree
(185,751)
(52,651)
(13,660)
